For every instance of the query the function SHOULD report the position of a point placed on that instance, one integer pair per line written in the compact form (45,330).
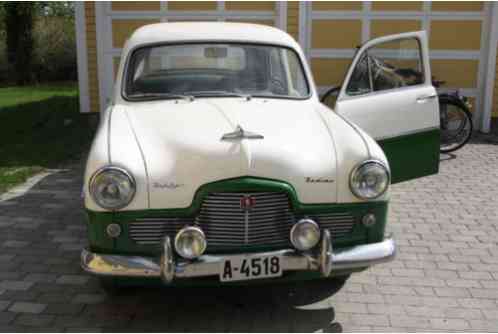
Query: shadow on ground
(275,308)
(43,288)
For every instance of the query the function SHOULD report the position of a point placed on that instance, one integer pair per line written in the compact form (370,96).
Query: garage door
(116,21)
(332,30)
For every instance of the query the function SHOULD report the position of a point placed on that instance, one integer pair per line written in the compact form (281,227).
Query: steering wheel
(279,84)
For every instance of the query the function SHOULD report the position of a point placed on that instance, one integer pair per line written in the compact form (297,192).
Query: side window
(388,65)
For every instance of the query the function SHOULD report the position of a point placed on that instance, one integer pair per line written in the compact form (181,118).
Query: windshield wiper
(219,93)
(161,96)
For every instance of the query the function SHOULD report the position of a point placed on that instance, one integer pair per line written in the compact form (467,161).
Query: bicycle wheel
(456,124)
(330,97)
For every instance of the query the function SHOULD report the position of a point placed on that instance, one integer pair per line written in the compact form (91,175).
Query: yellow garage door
(117,20)
(332,30)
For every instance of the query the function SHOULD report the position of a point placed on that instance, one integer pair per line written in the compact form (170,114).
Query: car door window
(386,66)
(360,79)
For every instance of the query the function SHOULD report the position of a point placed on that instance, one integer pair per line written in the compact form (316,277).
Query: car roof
(208,31)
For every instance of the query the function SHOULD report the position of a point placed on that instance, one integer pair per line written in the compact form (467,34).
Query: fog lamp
(190,242)
(113,230)
(305,234)
(369,219)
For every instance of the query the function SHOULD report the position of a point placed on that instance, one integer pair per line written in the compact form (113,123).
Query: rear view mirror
(215,52)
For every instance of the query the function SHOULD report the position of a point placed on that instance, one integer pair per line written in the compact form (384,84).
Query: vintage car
(216,163)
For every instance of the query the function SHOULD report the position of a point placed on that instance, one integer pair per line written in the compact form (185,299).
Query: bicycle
(455,117)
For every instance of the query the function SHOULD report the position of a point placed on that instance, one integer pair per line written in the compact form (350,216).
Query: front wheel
(456,124)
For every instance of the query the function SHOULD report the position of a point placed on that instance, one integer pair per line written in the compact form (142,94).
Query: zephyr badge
(240,133)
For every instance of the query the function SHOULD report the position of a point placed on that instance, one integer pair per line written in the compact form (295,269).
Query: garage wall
(91,57)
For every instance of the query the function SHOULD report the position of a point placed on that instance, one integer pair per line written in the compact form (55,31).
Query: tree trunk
(19,27)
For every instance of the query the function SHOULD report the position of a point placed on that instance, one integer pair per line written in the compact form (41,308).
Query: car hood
(181,145)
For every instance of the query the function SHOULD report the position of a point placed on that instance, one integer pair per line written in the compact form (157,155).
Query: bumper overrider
(326,260)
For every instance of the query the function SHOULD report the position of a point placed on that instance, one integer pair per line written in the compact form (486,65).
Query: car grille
(228,226)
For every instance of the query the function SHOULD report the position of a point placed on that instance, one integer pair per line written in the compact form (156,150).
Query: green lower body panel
(100,242)
(124,244)
(412,156)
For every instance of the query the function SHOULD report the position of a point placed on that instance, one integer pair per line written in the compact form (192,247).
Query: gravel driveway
(445,277)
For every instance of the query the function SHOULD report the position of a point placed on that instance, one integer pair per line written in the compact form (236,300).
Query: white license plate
(247,267)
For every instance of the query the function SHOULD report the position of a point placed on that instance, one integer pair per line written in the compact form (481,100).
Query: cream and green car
(215,161)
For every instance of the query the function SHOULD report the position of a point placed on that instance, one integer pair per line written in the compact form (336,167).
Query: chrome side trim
(327,261)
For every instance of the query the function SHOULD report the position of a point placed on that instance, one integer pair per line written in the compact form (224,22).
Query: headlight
(112,188)
(369,180)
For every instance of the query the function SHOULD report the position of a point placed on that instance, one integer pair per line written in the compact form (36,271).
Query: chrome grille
(227,225)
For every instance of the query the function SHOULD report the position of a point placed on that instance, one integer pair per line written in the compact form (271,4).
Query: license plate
(238,268)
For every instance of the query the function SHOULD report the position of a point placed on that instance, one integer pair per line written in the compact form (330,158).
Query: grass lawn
(40,127)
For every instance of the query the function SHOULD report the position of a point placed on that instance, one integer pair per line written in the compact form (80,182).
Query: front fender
(115,144)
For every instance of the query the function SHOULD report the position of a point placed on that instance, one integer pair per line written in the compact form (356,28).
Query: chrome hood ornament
(240,133)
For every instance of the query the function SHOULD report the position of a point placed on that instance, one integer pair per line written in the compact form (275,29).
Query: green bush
(3,58)
(54,54)
(54,49)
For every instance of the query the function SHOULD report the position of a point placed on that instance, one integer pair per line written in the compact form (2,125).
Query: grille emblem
(247,203)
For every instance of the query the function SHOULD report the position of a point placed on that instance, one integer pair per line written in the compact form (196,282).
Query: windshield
(213,69)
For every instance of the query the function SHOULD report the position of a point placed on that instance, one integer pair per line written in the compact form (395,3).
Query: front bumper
(167,268)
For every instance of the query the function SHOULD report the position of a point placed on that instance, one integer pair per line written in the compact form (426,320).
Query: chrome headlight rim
(293,231)
(187,229)
(92,185)
(363,164)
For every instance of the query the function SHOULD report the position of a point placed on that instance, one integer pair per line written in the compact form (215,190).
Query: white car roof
(208,31)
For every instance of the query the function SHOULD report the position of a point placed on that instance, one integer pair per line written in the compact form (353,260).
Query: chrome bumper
(168,269)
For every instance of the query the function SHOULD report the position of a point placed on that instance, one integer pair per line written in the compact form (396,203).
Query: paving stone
(40,277)
(6,317)
(15,285)
(450,324)
(54,298)
(4,304)
(20,295)
(72,279)
(63,309)
(409,321)
(35,320)
(15,244)
(89,298)
(25,307)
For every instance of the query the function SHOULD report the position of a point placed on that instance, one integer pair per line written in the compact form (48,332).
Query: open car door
(389,94)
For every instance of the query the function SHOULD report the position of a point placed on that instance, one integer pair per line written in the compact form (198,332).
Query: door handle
(422,99)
